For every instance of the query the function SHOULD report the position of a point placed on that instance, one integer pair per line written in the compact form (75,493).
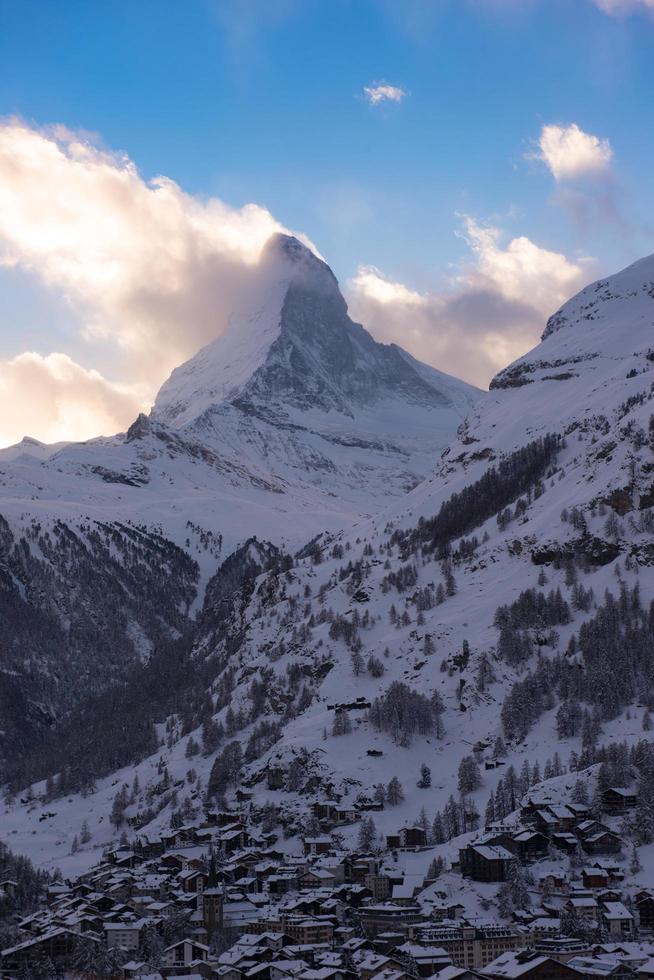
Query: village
(222,898)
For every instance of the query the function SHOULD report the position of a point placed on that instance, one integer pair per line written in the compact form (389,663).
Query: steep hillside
(504,604)
(549,486)
(294,422)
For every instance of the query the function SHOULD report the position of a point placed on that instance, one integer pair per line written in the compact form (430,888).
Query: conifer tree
(394,792)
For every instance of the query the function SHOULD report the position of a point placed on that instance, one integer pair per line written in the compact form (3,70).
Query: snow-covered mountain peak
(218,373)
(296,389)
(285,255)
(602,335)
(295,349)
(629,292)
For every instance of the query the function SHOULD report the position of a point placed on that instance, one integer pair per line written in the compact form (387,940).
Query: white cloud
(492,311)
(523,271)
(52,398)
(152,270)
(617,8)
(370,282)
(383,92)
(570,153)
(587,185)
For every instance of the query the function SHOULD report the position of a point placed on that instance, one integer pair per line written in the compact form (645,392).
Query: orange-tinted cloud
(491,312)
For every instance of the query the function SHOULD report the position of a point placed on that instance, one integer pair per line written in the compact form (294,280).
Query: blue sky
(264,102)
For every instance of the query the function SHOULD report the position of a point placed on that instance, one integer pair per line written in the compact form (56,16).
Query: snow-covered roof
(615,910)
(513,964)
(494,852)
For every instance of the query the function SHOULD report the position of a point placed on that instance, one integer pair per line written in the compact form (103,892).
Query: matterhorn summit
(330,402)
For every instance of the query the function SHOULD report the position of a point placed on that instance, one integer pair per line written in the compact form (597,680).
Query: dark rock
(620,501)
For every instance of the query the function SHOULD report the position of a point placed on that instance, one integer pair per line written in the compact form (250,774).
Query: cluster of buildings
(221,899)
(545,826)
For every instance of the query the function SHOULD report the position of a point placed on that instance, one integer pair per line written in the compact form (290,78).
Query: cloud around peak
(150,268)
(150,272)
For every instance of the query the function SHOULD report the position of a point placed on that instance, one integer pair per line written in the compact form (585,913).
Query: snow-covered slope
(592,371)
(294,422)
(411,596)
